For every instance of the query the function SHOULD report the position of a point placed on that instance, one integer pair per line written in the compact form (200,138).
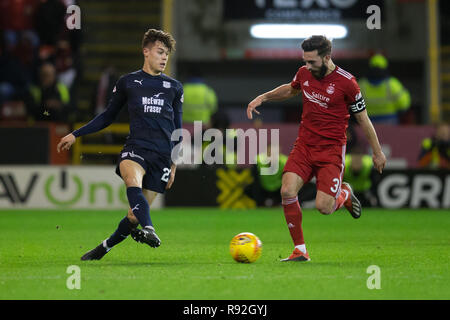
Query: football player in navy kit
(154,103)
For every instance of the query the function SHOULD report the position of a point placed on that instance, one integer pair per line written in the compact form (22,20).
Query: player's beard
(319,74)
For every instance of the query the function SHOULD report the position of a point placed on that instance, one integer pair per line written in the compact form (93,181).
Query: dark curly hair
(319,43)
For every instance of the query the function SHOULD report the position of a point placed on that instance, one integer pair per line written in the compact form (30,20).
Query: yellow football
(245,247)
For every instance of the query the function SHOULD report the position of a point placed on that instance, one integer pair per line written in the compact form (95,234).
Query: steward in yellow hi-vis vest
(359,179)
(266,189)
(435,151)
(385,96)
(49,100)
(360,174)
(200,101)
(270,183)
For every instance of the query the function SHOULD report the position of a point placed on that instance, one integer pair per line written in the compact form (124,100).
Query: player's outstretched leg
(352,203)
(123,230)
(146,235)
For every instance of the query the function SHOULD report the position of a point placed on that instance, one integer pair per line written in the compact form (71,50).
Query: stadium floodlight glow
(297,31)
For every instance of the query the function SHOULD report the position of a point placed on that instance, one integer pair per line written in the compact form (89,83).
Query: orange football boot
(297,255)
(352,203)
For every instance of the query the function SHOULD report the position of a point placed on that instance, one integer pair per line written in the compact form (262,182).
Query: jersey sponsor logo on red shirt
(317,98)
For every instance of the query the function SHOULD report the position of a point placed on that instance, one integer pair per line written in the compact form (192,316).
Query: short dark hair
(319,43)
(153,35)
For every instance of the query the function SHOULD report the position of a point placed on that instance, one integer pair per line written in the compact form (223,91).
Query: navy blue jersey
(155,110)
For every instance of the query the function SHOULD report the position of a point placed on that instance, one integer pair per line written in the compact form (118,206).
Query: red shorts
(325,162)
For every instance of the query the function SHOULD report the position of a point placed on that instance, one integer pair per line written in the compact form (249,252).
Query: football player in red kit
(330,94)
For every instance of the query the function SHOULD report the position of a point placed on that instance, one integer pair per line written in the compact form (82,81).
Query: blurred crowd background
(53,79)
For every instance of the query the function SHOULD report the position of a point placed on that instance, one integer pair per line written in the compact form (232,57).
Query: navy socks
(141,210)
(139,206)
(122,231)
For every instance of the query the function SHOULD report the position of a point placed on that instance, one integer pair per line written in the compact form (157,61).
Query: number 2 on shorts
(165,176)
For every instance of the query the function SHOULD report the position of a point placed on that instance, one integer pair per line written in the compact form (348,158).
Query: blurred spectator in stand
(360,174)
(64,64)
(20,41)
(435,152)
(103,90)
(200,100)
(17,19)
(14,81)
(49,101)
(27,55)
(100,98)
(68,71)
(386,98)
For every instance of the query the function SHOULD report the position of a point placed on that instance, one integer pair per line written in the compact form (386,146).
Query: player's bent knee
(290,186)
(324,208)
(325,211)
(287,192)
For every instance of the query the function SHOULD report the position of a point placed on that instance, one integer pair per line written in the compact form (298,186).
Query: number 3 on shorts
(165,176)
(334,189)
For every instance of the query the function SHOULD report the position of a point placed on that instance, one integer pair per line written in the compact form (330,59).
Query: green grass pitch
(410,247)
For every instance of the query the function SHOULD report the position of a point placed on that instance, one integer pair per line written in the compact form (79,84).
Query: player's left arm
(178,122)
(358,109)
(379,159)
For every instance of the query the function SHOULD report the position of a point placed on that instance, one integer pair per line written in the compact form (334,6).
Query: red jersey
(326,105)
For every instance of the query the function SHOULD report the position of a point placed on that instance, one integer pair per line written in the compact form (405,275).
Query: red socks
(293,215)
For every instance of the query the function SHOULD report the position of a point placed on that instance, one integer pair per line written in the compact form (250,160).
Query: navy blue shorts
(156,166)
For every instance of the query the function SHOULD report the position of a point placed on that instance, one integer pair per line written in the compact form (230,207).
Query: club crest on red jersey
(330,89)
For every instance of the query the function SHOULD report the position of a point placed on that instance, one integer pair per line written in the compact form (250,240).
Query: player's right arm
(282,92)
(102,120)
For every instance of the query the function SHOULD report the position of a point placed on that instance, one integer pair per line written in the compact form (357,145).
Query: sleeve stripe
(346,74)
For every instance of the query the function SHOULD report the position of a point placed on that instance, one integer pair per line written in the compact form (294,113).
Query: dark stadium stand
(112,29)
